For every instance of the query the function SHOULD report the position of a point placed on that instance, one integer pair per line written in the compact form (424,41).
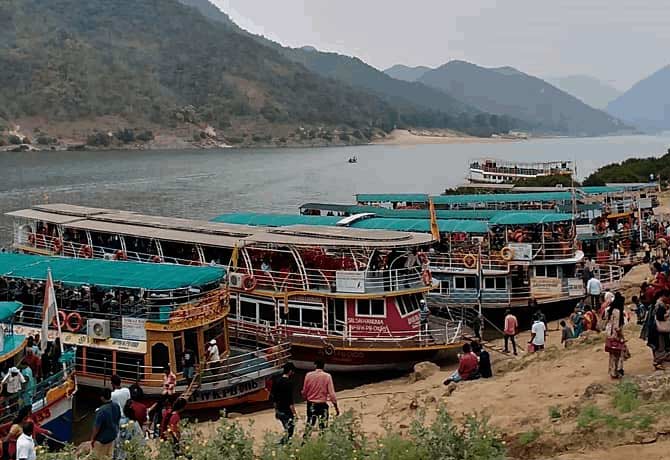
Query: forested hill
(148,59)
(632,170)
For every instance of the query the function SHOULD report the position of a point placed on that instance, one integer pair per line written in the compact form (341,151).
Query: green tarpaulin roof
(275,220)
(599,190)
(392,197)
(9,309)
(108,273)
(525,218)
(503,198)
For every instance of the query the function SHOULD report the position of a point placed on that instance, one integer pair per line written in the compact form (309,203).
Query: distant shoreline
(407,137)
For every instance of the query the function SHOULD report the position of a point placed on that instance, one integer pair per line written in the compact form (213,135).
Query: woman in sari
(614,330)
(658,340)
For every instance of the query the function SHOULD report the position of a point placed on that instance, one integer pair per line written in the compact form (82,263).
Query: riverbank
(419,137)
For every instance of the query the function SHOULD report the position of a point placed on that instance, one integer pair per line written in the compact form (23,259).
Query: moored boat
(489,171)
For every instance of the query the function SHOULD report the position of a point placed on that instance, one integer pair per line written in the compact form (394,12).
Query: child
(640,309)
(566,333)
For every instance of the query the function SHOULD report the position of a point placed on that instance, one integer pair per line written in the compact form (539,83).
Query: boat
(491,171)
(132,319)
(353,159)
(52,398)
(343,295)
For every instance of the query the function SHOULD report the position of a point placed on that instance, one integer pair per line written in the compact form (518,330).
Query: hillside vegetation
(632,170)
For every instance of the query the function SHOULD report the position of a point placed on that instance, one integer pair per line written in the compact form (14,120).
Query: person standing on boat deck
(510,330)
(25,444)
(424,314)
(593,289)
(213,356)
(12,381)
(317,390)
(282,398)
(119,395)
(106,426)
(169,381)
(586,274)
(188,362)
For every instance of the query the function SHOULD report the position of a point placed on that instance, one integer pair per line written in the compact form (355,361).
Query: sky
(616,41)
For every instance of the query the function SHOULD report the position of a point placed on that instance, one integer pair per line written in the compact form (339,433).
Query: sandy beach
(417,137)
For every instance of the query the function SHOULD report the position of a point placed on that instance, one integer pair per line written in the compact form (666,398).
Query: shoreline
(425,137)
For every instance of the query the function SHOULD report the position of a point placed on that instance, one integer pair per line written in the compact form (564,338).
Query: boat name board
(521,251)
(545,287)
(575,287)
(366,325)
(351,282)
(133,328)
(230,391)
(71,338)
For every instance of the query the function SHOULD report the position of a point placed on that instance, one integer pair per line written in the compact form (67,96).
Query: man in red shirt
(317,390)
(467,366)
(510,330)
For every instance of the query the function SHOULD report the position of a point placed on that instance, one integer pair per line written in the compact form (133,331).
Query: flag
(434,229)
(49,311)
(235,256)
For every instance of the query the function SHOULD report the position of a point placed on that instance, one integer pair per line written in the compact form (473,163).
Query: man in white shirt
(538,334)
(594,288)
(13,381)
(213,356)
(25,445)
(119,395)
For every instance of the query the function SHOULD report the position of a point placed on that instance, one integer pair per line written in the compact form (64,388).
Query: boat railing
(462,261)
(105,368)
(254,363)
(349,281)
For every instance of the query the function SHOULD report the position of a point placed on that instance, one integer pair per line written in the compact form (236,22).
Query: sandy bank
(406,137)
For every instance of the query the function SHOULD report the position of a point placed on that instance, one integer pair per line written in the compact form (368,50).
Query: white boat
(490,171)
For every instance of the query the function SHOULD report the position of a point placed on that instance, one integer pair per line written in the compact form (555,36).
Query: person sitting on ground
(467,366)
(590,319)
(485,370)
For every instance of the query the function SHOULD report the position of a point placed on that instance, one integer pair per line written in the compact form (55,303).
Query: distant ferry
(488,171)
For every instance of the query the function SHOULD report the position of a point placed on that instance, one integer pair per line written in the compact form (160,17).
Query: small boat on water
(353,159)
(51,399)
(133,319)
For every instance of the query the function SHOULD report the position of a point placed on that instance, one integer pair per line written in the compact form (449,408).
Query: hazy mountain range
(588,89)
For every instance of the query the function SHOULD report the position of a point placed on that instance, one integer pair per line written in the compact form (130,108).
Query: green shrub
(529,437)
(554,412)
(145,136)
(14,139)
(626,396)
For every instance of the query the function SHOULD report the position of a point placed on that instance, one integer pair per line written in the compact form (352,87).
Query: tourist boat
(339,294)
(52,397)
(132,319)
(491,171)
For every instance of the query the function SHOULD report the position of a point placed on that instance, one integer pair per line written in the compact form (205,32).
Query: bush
(14,139)
(98,140)
(626,396)
(45,140)
(145,136)
(125,135)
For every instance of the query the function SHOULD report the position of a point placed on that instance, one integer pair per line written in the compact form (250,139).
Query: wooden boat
(52,397)
(132,319)
(490,171)
(347,296)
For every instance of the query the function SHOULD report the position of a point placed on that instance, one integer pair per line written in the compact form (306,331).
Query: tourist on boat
(12,381)
(169,381)
(34,362)
(120,395)
(105,426)
(616,343)
(594,289)
(467,366)
(510,330)
(484,368)
(9,443)
(188,364)
(538,335)
(130,430)
(317,390)
(282,398)
(213,356)
(29,387)
(577,321)
(424,314)
(25,444)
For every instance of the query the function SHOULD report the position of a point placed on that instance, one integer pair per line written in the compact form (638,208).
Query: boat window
(99,361)
(183,253)
(266,313)
(548,271)
(220,256)
(160,357)
(257,311)
(370,307)
(142,249)
(79,359)
(233,306)
(495,283)
(130,365)
(105,240)
(305,315)
(248,310)
(408,304)
(178,351)
(464,282)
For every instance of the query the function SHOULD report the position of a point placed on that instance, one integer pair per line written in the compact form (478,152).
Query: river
(204,183)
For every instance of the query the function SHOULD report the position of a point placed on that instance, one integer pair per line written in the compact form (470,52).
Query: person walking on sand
(616,343)
(317,390)
(538,335)
(593,289)
(510,330)
(282,398)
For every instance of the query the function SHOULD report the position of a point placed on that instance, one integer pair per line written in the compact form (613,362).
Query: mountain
(162,63)
(647,103)
(403,72)
(211,11)
(508,91)
(587,89)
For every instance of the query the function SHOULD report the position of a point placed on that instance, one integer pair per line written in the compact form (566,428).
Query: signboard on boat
(352,282)
(521,251)
(133,328)
(585,229)
(575,287)
(545,287)
(645,203)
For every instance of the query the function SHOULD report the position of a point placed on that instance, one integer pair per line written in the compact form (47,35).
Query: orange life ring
(470,261)
(507,253)
(120,255)
(249,283)
(427,277)
(61,318)
(86,252)
(79,322)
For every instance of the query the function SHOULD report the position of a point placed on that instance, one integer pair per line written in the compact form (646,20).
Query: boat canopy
(503,198)
(130,275)
(528,218)
(8,310)
(601,189)
(275,220)
(392,197)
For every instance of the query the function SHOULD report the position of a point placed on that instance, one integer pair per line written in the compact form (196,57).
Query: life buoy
(57,246)
(470,261)
(78,322)
(427,277)
(507,253)
(120,255)
(249,283)
(61,318)
(86,252)
(329,349)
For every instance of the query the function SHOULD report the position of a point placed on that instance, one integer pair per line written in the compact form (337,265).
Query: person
(577,321)
(467,366)
(566,333)
(130,429)
(477,326)
(317,390)
(25,444)
(510,330)
(658,340)
(120,395)
(13,381)
(25,415)
(614,330)
(213,356)
(29,387)
(35,363)
(188,362)
(593,289)
(647,252)
(170,429)
(282,398)
(590,319)
(169,381)
(484,368)
(9,443)
(586,275)
(538,333)
(424,314)
(105,426)
(155,413)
